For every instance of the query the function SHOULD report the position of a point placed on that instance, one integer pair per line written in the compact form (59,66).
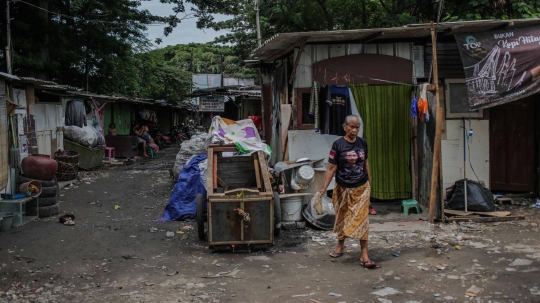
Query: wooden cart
(237,185)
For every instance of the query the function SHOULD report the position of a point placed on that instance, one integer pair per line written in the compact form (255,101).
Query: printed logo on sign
(471,43)
(332,154)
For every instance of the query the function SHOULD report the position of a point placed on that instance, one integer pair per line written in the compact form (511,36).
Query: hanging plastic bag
(321,206)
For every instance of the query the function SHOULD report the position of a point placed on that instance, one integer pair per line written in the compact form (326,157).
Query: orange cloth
(422,108)
(228,121)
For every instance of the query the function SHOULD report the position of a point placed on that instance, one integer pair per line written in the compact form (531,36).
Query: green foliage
(102,43)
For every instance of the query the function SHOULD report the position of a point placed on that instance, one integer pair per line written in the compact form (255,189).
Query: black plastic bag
(479,198)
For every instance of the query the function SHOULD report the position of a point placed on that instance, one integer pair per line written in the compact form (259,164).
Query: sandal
(369,265)
(336,254)
(372,211)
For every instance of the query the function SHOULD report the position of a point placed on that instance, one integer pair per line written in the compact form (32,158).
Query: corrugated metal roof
(282,41)
(8,76)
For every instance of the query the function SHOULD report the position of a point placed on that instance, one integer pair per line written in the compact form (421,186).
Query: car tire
(48,211)
(49,192)
(44,202)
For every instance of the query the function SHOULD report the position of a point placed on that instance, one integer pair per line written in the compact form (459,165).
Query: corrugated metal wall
(316,53)
(448,60)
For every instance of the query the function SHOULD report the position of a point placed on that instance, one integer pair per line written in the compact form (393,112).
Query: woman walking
(348,161)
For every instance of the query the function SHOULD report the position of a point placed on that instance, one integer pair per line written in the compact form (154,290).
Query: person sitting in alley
(112,129)
(138,131)
(148,139)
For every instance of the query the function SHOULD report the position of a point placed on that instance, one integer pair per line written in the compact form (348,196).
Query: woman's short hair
(349,118)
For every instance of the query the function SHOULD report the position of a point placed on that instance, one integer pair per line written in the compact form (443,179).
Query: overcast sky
(186,32)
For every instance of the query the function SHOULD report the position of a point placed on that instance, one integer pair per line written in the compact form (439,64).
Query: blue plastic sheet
(183,202)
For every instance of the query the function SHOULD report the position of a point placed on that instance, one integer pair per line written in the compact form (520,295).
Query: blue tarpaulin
(182,204)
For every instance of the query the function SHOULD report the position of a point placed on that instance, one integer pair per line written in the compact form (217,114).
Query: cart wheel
(277,215)
(200,217)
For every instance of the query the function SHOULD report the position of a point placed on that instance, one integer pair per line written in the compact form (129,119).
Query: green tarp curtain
(385,110)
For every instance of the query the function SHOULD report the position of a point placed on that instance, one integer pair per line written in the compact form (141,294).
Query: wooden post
(438,118)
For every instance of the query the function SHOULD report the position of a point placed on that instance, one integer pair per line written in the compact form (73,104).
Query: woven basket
(68,165)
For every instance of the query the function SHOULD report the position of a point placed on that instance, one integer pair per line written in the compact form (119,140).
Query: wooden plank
(486,219)
(241,242)
(221,145)
(286,112)
(490,213)
(438,129)
(214,167)
(217,198)
(234,159)
(264,172)
(225,149)
(222,183)
(209,172)
(297,60)
(257,171)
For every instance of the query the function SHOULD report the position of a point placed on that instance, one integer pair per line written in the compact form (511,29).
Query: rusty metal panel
(373,66)
(224,222)
(259,227)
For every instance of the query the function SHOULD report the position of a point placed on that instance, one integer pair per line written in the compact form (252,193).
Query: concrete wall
(452,151)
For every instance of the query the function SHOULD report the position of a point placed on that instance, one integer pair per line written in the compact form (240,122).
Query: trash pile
(189,149)
(86,136)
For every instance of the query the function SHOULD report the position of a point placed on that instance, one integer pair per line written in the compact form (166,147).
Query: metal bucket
(291,208)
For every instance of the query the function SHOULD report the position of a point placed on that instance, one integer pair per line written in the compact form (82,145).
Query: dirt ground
(111,255)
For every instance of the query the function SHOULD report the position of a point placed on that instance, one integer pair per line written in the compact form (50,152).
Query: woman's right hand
(322,192)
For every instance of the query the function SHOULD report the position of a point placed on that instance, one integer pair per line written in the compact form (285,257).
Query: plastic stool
(150,152)
(110,152)
(408,204)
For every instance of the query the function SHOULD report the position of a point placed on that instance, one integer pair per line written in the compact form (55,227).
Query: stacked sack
(188,149)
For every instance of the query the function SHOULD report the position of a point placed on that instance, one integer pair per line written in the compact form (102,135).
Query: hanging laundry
(423,105)
(75,113)
(314,104)
(338,107)
(414,107)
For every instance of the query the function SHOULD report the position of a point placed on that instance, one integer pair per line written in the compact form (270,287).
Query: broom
(14,158)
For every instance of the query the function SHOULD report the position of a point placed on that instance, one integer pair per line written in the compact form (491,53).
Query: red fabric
(257,120)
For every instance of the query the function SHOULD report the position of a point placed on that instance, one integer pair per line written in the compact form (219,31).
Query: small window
(457,100)
(305,120)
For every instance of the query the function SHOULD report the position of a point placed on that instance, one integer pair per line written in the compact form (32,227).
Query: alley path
(124,255)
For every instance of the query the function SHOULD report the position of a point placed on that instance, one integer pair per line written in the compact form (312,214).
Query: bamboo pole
(438,122)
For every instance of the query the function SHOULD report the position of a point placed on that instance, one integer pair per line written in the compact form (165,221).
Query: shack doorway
(512,147)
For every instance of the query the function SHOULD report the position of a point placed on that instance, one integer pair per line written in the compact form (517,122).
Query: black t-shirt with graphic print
(350,159)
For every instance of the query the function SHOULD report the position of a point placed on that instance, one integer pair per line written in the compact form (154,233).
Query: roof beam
(371,37)
(287,50)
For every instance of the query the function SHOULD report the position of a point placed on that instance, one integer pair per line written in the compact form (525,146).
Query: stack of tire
(50,195)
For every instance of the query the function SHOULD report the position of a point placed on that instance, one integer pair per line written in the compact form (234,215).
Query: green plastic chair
(408,204)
